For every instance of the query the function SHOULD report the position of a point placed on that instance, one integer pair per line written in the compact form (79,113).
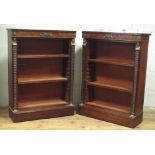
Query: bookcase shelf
(37,56)
(114,61)
(41,68)
(40,79)
(114,84)
(110,106)
(41,104)
(114,70)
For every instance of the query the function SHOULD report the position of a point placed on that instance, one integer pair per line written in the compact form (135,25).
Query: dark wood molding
(43,33)
(111,116)
(21,116)
(136,70)
(72,48)
(14,59)
(113,36)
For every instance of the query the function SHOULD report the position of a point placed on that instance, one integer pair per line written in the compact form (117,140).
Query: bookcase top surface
(119,33)
(46,30)
(115,36)
(42,33)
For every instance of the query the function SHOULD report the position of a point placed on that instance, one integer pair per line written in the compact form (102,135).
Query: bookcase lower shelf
(45,113)
(41,104)
(111,116)
(110,106)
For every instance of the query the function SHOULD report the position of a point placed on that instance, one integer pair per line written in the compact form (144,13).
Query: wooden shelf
(37,56)
(39,79)
(115,84)
(110,106)
(114,61)
(41,104)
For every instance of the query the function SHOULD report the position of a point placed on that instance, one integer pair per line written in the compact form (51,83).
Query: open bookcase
(114,68)
(40,74)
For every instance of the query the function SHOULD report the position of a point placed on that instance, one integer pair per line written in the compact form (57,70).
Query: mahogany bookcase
(40,73)
(114,70)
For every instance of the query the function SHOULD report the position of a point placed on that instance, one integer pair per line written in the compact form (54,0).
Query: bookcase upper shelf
(37,56)
(114,61)
(40,79)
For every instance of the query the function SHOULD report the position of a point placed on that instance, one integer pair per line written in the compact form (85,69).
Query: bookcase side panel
(142,75)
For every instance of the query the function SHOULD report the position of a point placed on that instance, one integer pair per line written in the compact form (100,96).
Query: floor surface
(75,122)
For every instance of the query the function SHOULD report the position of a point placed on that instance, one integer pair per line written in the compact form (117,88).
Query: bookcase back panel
(113,71)
(38,67)
(40,91)
(99,71)
(31,95)
(117,97)
(101,49)
(42,46)
(109,99)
